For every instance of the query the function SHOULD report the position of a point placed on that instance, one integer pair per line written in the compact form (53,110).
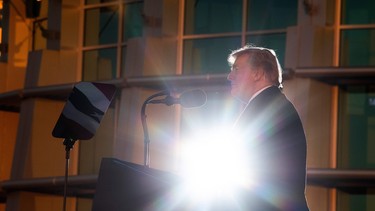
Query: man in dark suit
(272,132)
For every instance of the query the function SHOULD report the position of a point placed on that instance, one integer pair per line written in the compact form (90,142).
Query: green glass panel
(208,55)
(276,42)
(99,64)
(363,201)
(212,16)
(356,141)
(101,26)
(358,12)
(357,127)
(133,20)
(271,14)
(357,47)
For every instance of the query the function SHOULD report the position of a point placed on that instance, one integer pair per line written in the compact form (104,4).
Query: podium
(124,186)
(127,186)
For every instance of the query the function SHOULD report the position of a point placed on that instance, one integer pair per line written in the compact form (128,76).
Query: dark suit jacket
(276,146)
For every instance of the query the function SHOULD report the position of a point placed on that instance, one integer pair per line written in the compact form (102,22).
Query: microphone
(188,99)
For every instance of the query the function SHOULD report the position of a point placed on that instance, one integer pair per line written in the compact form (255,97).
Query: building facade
(326,49)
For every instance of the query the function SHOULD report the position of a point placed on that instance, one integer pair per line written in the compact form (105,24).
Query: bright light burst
(214,165)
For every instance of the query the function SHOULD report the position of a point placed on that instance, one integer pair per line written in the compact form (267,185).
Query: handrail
(84,185)
(79,185)
(10,101)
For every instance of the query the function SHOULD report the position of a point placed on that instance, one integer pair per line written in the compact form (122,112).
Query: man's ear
(258,74)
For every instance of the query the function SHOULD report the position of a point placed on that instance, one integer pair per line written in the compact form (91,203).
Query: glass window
(356,147)
(101,26)
(133,21)
(357,47)
(213,16)
(358,12)
(271,14)
(1,27)
(4,27)
(273,41)
(98,1)
(208,55)
(99,64)
(357,127)
(363,200)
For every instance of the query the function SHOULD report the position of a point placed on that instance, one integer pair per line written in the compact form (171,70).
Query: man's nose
(230,76)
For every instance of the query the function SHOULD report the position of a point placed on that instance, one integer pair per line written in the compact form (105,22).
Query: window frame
(119,45)
(243,34)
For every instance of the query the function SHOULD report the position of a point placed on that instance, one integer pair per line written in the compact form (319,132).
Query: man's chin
(234,92)
(237,95)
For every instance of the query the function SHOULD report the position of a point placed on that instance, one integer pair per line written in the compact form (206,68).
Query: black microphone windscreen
(193,98)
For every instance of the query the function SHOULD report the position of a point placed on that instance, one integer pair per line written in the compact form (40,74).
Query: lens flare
(214,166)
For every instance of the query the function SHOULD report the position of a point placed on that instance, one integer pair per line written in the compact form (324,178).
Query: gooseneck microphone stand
(145,129)
(68,142)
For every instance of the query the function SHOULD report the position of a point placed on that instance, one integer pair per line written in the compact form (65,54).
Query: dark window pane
(357,127)
(213,16)
(101,26)
(4,29)
(99,64)
(273,41)
(271,14)
(133,21)
(98,1)
(356,145)
(358,12)
(208,55)
(357,47)
(356,201)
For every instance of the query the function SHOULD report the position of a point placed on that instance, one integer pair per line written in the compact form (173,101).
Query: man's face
(242,78)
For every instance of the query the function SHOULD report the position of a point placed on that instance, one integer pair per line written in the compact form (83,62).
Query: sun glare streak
(214,165)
